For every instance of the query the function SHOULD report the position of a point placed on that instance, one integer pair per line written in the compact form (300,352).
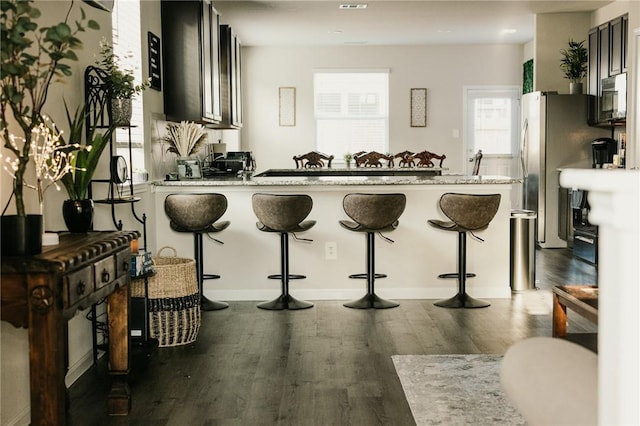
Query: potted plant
(120,83)
(347,159)
(574,65)
(32,58)
(78,209)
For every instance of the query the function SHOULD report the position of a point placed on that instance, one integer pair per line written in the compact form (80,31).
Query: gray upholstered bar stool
(198,213)
(372,214)
(283,214)
(466,213)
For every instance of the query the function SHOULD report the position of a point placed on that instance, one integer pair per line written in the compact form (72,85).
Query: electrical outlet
(331,251)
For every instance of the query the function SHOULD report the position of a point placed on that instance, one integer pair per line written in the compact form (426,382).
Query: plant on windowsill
(120,84)
(574,65)
(32,58)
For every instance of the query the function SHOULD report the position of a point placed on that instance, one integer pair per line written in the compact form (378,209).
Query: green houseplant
(120,83)
(32,58)
(574,64)
(78,209)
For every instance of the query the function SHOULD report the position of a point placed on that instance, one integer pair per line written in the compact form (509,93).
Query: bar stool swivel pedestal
(371,214)
(466,213)
(198,213)
(283,214)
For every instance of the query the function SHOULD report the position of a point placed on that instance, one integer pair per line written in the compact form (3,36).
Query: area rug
(455,390)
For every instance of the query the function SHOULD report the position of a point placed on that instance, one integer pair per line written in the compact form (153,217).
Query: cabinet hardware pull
(105,276)
(586,240)
(80,288)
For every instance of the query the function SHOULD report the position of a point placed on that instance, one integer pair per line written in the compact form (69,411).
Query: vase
(575,88)
(21,235)
(78,215)
(121,112)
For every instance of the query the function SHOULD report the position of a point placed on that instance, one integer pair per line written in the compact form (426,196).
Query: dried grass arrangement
(185,138)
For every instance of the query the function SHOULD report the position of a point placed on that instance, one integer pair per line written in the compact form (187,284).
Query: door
(492,124)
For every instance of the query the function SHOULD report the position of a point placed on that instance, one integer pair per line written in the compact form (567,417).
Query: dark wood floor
(328,365)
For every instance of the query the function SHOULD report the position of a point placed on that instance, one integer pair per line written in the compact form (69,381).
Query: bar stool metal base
(211,305)
(371,301)
(450,275)
(285,301)
(462,300)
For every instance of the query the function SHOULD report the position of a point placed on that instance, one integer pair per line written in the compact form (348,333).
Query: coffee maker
(603,150)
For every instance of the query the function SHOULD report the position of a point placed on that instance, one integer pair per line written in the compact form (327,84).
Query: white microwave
(613,98)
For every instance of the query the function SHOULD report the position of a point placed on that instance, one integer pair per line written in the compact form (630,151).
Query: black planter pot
(78,215)
(21,235)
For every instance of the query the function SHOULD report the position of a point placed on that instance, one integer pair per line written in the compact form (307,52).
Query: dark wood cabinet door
(191,61)
(594,61)
(625,39)
(615,46)
(603,47)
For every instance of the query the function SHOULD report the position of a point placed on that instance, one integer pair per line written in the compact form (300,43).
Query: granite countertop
(342,180)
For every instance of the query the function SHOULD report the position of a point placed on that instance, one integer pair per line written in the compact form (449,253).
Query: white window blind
(351,111)
(128,46)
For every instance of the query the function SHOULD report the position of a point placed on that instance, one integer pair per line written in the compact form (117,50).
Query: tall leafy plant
(85,160)
(574,61)
(32,58)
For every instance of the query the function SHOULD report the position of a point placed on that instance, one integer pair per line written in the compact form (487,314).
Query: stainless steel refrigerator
(555,135)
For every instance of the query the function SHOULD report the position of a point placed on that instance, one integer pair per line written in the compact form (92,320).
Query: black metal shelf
(97,101)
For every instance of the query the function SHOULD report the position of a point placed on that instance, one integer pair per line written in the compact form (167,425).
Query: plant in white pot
(120,83)
(574,65)
(32,58)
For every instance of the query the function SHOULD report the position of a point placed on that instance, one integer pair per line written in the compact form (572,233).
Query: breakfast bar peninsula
(418,254)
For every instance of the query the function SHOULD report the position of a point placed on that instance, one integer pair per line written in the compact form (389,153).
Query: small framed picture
(419,107)
(189,169)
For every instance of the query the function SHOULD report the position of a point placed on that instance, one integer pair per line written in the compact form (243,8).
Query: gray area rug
(455,390)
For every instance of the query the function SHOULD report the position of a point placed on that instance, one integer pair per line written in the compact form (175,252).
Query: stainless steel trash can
(522,264)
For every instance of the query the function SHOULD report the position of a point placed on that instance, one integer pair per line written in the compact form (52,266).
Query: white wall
(552,33)
(443,70)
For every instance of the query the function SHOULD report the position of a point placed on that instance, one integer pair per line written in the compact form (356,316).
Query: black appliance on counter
(603,150)
(233,163)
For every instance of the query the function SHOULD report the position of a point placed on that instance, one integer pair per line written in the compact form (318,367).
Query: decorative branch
(185,138)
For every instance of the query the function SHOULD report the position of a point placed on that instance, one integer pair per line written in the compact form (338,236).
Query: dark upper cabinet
(230,78)
(615,46)
(607,51)
(603,49)
(594,63)
(191,61)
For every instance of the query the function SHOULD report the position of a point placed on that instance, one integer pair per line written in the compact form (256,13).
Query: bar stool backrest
(470,211)
(281,212)
(374,211)
(194,212)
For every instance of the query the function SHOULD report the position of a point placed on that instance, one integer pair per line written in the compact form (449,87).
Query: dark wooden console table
(43,292)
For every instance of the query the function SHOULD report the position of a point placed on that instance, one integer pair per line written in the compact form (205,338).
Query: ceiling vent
(353,6)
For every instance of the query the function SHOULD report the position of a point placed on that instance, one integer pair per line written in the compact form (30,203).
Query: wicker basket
(174,300)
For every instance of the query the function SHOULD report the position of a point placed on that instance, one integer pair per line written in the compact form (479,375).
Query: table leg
(46,353)
(119,356)
(559,318)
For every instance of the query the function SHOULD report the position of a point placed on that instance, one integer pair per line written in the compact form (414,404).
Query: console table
(44,291)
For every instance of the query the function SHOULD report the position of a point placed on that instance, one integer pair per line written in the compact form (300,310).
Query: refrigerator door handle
(523,147)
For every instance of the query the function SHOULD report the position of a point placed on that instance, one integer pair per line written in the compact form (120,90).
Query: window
(492,120)
(351,111)
(128,46)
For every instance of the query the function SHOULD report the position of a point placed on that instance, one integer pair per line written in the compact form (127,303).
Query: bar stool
(372,213)
(467,213)
(197,213)
(283,214)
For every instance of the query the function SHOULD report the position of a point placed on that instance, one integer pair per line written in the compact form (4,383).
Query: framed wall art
(287,106)
(419,107)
